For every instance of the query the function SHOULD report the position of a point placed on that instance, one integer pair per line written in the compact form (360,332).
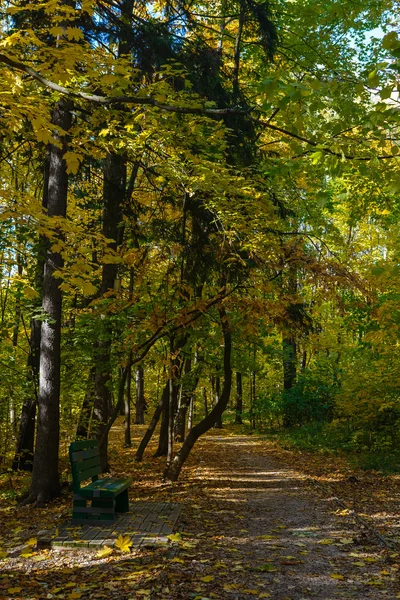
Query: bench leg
(122,502)
(103,509)
(79,502)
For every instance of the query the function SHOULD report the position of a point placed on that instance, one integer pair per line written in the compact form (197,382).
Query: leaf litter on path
(251,527)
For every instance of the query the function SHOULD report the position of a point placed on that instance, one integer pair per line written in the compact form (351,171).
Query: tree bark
(173,470)
(218,423)
(82,431)
(128,404)
(23,459)
(239,399)
(113,197)
(153,424)
(45,483)
(140,401)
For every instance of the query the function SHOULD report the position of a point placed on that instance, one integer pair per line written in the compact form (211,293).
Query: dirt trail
(288,540)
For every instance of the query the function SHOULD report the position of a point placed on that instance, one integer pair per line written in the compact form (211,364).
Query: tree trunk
(205,401)
(188,389)
(153,424)
(239,399)
(128,404)
(114,194)
(82,431)
(289,349)
(45,483)
(23,459)
(173,470)
(218,422)
(113,197)
(140,401)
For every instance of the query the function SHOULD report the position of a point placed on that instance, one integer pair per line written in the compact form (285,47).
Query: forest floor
(257,522)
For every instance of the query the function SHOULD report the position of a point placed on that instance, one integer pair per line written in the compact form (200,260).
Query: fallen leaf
(207,578)
(123,543)
(337,576)
(104,552)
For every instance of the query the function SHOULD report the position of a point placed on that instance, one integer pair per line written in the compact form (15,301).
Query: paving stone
(146,523)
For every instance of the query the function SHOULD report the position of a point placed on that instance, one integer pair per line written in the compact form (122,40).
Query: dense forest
(199,225)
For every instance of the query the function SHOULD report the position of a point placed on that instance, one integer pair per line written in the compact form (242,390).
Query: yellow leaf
(88,288)
(123,543)
(74,595)
(175,537)
(3,554)
(73,161)
(346,541)
(14,590)
(106,551)
(337,576)
(56,31)
(207,578)
(31,542)
(73,33)
(264,595)
(326,542)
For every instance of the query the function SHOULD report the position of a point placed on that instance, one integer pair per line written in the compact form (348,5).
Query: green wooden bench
(105,496)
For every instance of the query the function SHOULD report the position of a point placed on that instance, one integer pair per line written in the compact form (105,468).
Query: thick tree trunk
(140,401)
(114,194)
(173,470)
(239,399)
(113,197)
(45,483)
(153,424)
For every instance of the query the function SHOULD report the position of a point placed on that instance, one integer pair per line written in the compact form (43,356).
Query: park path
(251,526)
(280,536)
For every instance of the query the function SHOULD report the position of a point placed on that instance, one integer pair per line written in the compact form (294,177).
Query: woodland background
(199,218)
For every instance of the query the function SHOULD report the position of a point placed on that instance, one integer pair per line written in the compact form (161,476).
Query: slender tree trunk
(191,414)
(23,459)
(188,389)
(218,422)
(45,483)
(82,431)
(128,404)
(153,424)
(289,350)
(173,470)
(239,399)
(205,401)
(140,401)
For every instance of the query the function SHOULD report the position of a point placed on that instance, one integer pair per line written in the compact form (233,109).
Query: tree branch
(108,101)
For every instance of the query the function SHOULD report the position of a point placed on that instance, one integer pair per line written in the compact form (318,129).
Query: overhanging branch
(110,100)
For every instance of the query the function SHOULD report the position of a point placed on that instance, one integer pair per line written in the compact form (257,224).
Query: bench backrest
(85,462)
